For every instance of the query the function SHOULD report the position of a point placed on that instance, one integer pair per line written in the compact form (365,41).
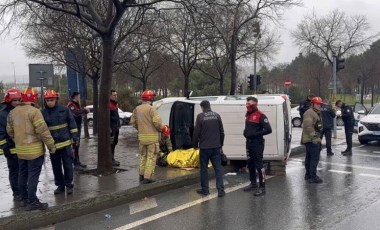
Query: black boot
(260,192)
(347,152)
(59,190)
(250,187)
(141,177)
(36,205)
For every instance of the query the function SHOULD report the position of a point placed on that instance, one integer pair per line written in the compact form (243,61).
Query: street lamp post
(41,72)
(14,74)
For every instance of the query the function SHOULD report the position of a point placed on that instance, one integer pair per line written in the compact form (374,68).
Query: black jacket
(348,115)
(304,106)
(6,142)
(327,115)
(77,112)
(208,131)
(114,115)
(256,125)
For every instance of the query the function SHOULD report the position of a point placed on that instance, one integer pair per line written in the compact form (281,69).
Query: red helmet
(148,95)
(317,100)
(29,95)
(12,94)
(50,94)
(165,131)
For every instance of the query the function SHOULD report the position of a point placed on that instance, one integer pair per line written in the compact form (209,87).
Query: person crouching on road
(311,137)
(165,146)
(11,100)
(256,126)
(63,128)
(148,123)
(209,133)
(27,128)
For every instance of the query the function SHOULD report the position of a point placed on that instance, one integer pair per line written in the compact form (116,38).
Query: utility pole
(334,94)
(41,72)
(14,74)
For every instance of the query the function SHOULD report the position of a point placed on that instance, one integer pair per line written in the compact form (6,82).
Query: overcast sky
(11,50)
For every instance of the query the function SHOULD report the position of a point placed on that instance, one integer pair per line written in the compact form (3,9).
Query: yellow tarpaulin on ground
(184,158)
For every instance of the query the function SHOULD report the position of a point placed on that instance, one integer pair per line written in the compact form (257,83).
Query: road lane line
(366,155)
(376,151)
(369,175)
(340,171)
(179,208)
(343,165)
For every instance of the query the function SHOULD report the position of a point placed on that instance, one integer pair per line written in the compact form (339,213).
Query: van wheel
(90,123)
(363,142)
(297,122)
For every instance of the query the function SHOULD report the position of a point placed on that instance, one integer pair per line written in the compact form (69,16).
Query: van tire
(296,122)
(90,122)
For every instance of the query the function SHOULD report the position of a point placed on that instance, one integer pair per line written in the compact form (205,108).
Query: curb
(56,214)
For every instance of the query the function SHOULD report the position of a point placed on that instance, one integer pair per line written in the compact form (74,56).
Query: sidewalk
(93,193)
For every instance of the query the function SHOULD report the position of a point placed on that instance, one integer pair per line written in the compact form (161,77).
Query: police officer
(327,115)
(78,113)
(349,122)
(64,130)
(311,137)
(148,123)
(11,100)
(256,126)
(305,105)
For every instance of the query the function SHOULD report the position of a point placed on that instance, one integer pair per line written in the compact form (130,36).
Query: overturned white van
(180,114)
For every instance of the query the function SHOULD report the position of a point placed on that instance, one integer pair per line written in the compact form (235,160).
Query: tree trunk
(95,98)
(233,65)
(186,84)
(104,144)
(83,103)
(221,84)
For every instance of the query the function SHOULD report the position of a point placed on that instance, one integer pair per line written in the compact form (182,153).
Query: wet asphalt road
(349,198)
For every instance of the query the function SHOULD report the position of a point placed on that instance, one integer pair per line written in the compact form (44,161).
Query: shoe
(347,152)
(141,177)
(77,167)
(221,194)
(69,190)
(260,192)
(330,154)
(17,198)
(36,205)
(250,187)
(201,192)
(315,180)
(82,165)
(147,181)
(23,203)
(307,177)
(115,163)
(59,190)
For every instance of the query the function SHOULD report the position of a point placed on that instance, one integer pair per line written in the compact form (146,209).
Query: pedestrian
(115,124)
(165,147)
(64,130)
(349,122)
(327,115)
(27,128)
(256,126)
(11,99)
(78,113)
(208,135)
(305,105)
(148,123)
(311,138)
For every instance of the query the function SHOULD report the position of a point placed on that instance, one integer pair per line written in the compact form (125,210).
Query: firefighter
(78,113)
(64,130)
(114,124)
(256,126)
(11,100)
(165,146)
(149,125)
(27,128)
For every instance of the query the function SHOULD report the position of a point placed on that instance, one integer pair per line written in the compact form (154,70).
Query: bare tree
(334,34)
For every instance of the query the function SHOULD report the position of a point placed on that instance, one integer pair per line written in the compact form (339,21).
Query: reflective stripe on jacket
(26,126)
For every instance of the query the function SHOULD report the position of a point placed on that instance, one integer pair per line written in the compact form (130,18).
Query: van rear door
(181,123)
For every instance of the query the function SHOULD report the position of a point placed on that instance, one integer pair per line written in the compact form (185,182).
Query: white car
(297,122)
(369,126)
(125,117)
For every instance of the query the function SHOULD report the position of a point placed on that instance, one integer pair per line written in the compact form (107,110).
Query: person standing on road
(305,105)
(148,123)
(78,113)
(256,126)
(64,130)
(327,115)
(311,137)
(208,135)
(11,100)
(27,128)
(115,124)
(349,122)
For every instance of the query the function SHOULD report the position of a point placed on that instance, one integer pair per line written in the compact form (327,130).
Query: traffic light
(256,30)
(339,63)
(258,79)
(250,82)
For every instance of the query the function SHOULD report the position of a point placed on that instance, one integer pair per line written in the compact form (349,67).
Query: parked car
(125,117)
(297,122)
(369,125)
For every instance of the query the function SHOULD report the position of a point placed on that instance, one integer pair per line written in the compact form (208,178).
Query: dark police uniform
(327,115)
(256,126)
(349,122)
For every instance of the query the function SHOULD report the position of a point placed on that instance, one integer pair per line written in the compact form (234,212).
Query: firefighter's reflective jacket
(27,128)
(61,124)
(6,142)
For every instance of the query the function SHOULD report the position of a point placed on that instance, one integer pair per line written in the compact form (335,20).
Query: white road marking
(339,171)
(343,165)
(179,208)
(376,151)
(369,175)
(142,205)
(366,155)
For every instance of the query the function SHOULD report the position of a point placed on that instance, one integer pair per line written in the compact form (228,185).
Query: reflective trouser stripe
(149,137)
(73,130)
(1,152)
(61,145)
(56,127)
(3,142)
